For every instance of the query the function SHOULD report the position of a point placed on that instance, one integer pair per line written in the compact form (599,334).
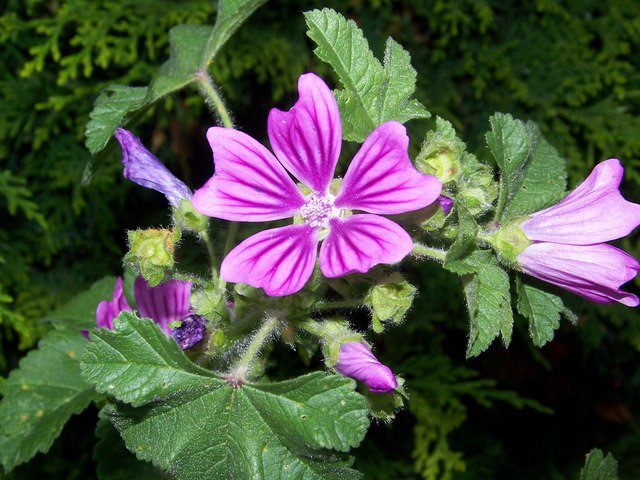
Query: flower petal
(595,212)
(595,272)
(143,168)
(280,260)
(107,311)
(164,303)
(381,178)
(355,360)
(249,185)
(358,243)
(307,138)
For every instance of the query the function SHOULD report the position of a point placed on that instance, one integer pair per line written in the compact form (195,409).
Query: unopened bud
(151,253)
(389,301)
(441,153)
(355,360)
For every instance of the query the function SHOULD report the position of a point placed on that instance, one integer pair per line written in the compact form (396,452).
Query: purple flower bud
(445,203)
(190,332)
(355,360)
(143,168)
(164,303)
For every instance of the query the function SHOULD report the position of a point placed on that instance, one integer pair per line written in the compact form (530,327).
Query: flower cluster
(343,223)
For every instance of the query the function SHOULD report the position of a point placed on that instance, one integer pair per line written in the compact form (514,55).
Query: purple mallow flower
(567,246)
(165,303)
(355,360)
(252,185)
(190,332)
(143,168)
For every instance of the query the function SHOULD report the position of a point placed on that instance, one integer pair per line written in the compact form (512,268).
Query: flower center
(319,210)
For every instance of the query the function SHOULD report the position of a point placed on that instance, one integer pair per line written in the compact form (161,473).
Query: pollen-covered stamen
(319,210)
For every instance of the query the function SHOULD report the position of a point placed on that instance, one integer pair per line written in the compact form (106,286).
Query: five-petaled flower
(252,185)
(567,240)
(165,303)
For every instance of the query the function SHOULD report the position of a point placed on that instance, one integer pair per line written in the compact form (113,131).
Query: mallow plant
(177,363)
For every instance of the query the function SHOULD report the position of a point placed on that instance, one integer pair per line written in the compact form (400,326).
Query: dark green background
(573,67)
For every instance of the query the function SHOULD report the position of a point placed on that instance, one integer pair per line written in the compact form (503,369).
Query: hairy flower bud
(441,153)
(355,360)
(188,218)
(389,301)
(151,253)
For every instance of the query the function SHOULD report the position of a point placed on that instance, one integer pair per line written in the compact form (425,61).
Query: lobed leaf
(191,50)
(487,291)
(599,467)
(41,395)
(204,428)
(543,310)
(136,363)
(373,93)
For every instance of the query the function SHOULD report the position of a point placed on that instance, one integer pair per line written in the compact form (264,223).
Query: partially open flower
(166,303)
(252,185)
(355,360)
(563,244)
(143,168)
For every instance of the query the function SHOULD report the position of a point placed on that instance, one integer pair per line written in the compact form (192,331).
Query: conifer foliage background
(573,67)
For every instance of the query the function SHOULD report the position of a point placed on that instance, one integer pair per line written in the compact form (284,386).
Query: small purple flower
(445,203)
(190,332)
(355,360)
(163,304)
(250,184)
(567,246)
(143,168)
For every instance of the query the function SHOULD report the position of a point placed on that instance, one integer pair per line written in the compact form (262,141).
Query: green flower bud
(509,241)
(187,218)
(389,301)
(151,253)
(441,153)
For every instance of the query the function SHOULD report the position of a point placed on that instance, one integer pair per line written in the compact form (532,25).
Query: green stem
(257,342)
(231,236)
(429,252)
(209,90)
(211,251)
(502,200)
(313,327)
(354,303)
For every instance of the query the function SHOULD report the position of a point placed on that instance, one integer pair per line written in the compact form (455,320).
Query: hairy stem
(211,251)
(210,92)
(430,252)
(257,342)
(354,303)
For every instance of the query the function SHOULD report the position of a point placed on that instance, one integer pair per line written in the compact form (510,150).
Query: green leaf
(465,242)
(488,301)
(136,362)
(41,395)
(532,174)
(114,461)
(599,467)
(191,50)
(199,427)
(109,111)
(373,93)
(80,312)
(542,309)
(544,179)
